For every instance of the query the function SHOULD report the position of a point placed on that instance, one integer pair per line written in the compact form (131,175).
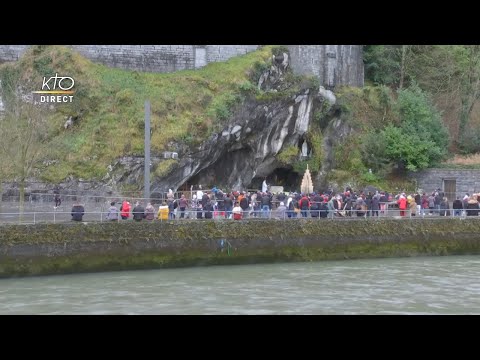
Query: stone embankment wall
(81,247)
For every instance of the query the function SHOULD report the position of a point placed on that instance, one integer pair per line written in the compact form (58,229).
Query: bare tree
(23,133)
(452,74)
(405,50)
(470,87)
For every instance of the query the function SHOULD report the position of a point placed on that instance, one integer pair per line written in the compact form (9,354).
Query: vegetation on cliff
(448,74)
(109,108)
(391,132)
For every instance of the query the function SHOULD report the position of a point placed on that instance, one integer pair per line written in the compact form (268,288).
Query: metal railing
(93,196)
(38,217)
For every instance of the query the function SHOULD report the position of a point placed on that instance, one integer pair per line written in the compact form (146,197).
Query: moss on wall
(69,248)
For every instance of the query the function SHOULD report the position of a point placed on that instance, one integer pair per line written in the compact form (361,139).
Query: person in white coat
(199,193)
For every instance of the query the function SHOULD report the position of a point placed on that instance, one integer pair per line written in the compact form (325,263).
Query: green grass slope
(186,106)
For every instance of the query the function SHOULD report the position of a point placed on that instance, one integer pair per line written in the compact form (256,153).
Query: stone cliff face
(337,131)
(247,146)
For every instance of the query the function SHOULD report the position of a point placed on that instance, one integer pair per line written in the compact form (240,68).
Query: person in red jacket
(304,205)
(125,210)
(402,204)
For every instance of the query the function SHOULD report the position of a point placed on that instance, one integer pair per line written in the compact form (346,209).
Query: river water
(422,285)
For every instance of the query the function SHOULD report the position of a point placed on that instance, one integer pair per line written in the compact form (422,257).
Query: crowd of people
(263,204)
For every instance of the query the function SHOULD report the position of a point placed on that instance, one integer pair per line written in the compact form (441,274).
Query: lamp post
(147,152)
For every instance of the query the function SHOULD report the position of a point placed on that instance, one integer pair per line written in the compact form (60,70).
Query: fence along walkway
(38,217)
(41,201)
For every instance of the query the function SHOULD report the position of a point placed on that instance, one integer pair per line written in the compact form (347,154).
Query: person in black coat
(58,200)
(315,206)
(375,204)
(322,208)
(457,207)
(208,209)
(444,207)
(368,202)
(138,212)
(77,212)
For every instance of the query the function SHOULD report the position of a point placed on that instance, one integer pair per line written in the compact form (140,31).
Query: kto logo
(59,85)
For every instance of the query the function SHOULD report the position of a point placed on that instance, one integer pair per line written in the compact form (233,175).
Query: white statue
(304,149)
(264,186)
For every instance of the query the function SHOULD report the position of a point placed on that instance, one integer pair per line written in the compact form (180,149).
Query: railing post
(34,218)
(54,216)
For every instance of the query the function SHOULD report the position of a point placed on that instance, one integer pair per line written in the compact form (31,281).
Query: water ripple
(433,285)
